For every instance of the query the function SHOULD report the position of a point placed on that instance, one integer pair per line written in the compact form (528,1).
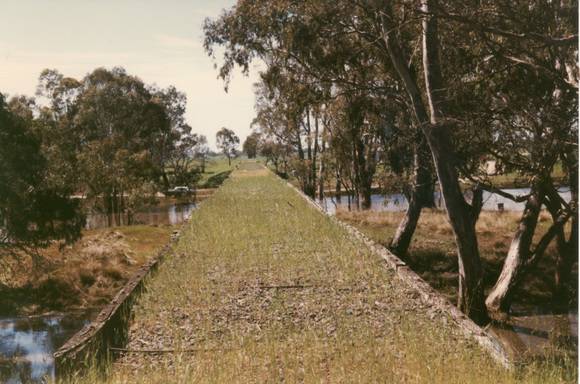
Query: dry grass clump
(263,288)
(85,274)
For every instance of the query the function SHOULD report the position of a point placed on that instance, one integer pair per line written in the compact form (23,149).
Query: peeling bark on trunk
(462,220)
(499,299)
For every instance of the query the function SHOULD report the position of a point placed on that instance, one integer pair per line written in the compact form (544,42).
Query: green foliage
(116,139)
(32,211)
(228,142)
(250,145)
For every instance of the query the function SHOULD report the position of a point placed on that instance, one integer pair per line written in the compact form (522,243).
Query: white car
(180,190)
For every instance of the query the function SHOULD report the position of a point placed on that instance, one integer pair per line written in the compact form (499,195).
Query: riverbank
(78,277)
(262,287)
(538,327)
(432,253)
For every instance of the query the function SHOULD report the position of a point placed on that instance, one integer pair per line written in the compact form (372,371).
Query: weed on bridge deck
(264,288)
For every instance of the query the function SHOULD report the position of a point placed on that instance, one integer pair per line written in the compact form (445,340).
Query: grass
(262,287)
(84,275)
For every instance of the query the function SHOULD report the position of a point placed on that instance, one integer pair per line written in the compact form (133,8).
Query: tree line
(428,92)
(108,141)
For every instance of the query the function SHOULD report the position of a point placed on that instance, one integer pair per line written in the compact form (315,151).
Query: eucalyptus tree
(331,47)
(532,90)
(228,142)
(56,106)
(432,69)
(173,138)
(293,103)
(181,163)
(498,38)
(250,145)
(200,150)
(33,210)
(276,153)
(117,124)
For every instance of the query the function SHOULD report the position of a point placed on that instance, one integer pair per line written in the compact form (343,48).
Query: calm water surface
(27,345)
(534,333)
(162,214)
(397,202)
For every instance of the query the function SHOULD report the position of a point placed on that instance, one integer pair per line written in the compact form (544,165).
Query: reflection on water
(397,202)
(162,214)
(27,345)
(535,334)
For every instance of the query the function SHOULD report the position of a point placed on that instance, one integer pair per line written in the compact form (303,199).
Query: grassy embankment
(262,287)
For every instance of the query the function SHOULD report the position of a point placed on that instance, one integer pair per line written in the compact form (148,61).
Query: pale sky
(159,41)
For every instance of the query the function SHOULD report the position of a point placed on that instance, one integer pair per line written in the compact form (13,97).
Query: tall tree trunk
(365,175)
(365,194)
(355,179)
(313,176)
(499,299)
(300,149)
(322,168)
(421,196)
(567,255)
(165,178)
(338,185)
(470,295)
(567,247)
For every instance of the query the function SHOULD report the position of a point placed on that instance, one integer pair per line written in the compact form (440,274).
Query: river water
(167,213)
(397,202)
(532,333)
(27,345)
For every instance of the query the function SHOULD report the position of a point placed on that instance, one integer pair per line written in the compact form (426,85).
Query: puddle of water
(534,334)
(27,345)
(162,214)
(397,202)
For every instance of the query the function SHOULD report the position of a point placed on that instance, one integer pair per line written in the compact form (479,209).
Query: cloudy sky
(159,41)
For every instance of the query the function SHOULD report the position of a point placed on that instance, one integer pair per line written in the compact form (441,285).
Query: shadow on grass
(216,180)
